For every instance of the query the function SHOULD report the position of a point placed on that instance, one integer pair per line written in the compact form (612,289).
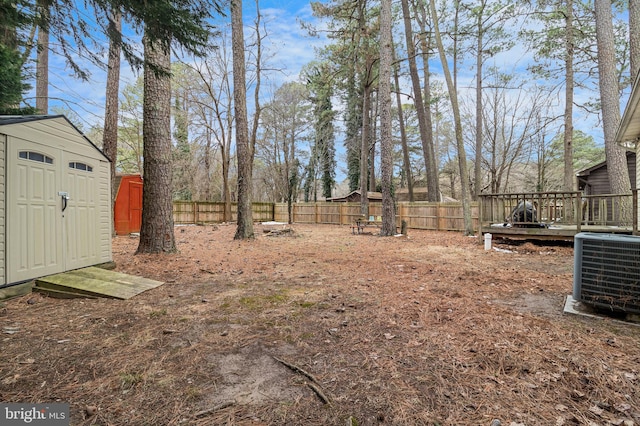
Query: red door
(135,206)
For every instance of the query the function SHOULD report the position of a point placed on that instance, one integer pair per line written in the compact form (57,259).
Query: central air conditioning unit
(607,271)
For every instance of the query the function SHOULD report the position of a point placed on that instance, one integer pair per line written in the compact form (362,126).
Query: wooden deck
(553,232)
(94,282)
(557,215)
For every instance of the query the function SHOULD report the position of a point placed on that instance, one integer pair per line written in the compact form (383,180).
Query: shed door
(80,217)
(35,246)
(52,219)
(135,206)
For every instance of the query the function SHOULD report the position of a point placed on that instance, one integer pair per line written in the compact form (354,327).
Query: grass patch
(129,380)
(193,394)
(259,302)
(157,314)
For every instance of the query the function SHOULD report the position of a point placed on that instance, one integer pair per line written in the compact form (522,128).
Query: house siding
(598,179)
(595,181)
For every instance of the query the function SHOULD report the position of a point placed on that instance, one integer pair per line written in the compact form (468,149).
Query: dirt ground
(318,326)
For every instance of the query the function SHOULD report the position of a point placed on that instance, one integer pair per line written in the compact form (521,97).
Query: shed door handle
(65,198)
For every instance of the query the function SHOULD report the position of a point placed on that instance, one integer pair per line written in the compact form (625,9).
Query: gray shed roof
(16,119)
(6,120)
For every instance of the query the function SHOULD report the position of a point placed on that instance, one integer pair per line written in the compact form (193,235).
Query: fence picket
(418,215)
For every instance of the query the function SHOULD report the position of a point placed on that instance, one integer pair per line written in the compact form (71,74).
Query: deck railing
(559,208)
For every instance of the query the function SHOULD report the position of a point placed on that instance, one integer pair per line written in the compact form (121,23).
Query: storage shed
(55,203)
(127,211)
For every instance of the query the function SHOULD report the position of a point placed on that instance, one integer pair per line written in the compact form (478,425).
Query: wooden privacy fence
(418,215)
(185,212)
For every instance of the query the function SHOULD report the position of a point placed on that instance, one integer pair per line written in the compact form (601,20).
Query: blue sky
(291,49)
(287,42)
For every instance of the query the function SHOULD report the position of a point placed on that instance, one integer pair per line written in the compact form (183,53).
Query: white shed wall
(105,218)
(59,134)
(3,144)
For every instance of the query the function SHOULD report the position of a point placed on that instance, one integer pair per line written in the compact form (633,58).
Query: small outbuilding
(354,197)
(127,211)
(55,199)
(595,179)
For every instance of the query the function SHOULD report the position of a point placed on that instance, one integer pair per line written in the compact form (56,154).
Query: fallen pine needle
(216,408)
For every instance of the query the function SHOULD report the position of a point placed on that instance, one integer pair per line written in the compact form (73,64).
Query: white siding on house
(637,182)
(3,144)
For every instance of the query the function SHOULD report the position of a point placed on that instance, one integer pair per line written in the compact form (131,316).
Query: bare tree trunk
(431,135)
(403,133)
(617,169)
(156,232)
(257,84)
(364,153)
(42,68)
(225,151)
(569,177)
(372,146)
(288,178)
(207,164)
(454,36)
(477,184)
(292,174)
(462,157)
(110,135)
(426,132)
(243,146)
(226,165)
(384,100)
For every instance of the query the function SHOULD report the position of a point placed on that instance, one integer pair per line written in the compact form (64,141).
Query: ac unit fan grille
(610,274)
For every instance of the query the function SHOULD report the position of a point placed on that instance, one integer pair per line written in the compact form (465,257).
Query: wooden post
(480,198)
(578,211)
(438,217)
(195,212)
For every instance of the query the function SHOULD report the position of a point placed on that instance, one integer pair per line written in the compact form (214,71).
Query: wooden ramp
(93,282)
